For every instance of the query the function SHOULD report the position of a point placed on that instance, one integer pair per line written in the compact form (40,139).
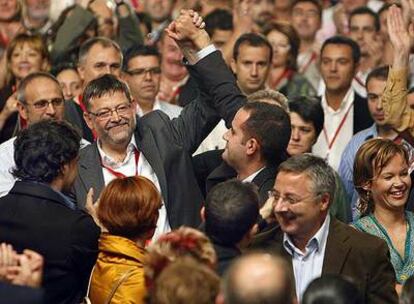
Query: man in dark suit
(36,215)
(315,243)
(155,146)
(253,151)
(346,113)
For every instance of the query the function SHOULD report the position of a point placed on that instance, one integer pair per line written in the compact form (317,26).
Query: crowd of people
(188,151)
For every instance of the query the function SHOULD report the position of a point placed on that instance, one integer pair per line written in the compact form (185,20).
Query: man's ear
(325,198)
(21,108)
(88,120)
(252,146)
(81,72)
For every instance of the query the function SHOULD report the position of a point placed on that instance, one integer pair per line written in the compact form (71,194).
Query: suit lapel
(90,170)
(337,249)
(146,145)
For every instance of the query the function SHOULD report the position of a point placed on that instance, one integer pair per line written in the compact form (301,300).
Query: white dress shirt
(332,124)
(307,265)
(128,167)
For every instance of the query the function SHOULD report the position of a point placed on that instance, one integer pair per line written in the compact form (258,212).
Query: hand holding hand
(30,270)
(8,258)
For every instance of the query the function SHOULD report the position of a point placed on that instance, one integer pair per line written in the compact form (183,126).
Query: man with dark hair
(142,73)
(306,20)
(252,57)
(262,11)
(346,113)
(258,278)
(315,243)
(46,156)
(230,213)
(252,152)
(219,25)
(364,28)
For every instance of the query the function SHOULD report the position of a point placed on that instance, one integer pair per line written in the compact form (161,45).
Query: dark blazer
(168,144)
(362,116)
(14,294)
(362,257)
(35,217)
(211,170)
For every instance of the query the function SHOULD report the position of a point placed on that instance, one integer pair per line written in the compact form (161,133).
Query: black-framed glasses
(44,103)
(106,113)
(142,72)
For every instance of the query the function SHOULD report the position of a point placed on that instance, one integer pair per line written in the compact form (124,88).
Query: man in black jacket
(36,215)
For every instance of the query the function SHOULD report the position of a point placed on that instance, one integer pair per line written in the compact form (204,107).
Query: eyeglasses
(44,103)
(106,113)
(142,72)
(291,200)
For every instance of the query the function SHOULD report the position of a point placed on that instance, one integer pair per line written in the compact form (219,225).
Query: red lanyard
(360,82)
(338,129)
(306,66)
(286,74)
(119,174)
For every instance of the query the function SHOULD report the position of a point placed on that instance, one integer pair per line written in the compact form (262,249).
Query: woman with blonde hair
(383,182)
(25,55)
(128,209)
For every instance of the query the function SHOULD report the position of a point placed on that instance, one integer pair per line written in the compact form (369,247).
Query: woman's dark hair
(332,289)
(43,148)
(310,110)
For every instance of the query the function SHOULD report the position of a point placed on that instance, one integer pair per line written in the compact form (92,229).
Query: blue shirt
(346,166)
(307,265)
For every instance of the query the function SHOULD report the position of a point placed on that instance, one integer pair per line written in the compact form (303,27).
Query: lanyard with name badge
(119,174)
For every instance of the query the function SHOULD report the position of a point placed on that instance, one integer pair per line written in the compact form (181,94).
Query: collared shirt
(7,164)
(346,167)
(251,177)
(333,120)
(128,167)
(307,265)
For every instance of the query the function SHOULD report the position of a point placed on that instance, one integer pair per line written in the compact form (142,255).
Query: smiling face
(391,187)
(25,60)
(118,128)
(298,210)
(8,9)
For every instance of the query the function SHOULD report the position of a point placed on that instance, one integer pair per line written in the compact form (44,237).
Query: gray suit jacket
(168,144)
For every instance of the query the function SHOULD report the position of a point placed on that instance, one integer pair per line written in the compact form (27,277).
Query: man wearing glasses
(39,97)
(142,72)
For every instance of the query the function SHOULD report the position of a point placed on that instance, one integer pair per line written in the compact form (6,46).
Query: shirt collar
(317,242)
(156,106)
(111,163)
(346,102)
(250,178)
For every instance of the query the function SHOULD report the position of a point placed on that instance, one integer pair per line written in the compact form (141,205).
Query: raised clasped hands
(188,31)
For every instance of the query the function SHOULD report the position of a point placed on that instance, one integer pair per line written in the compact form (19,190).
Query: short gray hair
(270,95)
(102,41)
(317,169)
